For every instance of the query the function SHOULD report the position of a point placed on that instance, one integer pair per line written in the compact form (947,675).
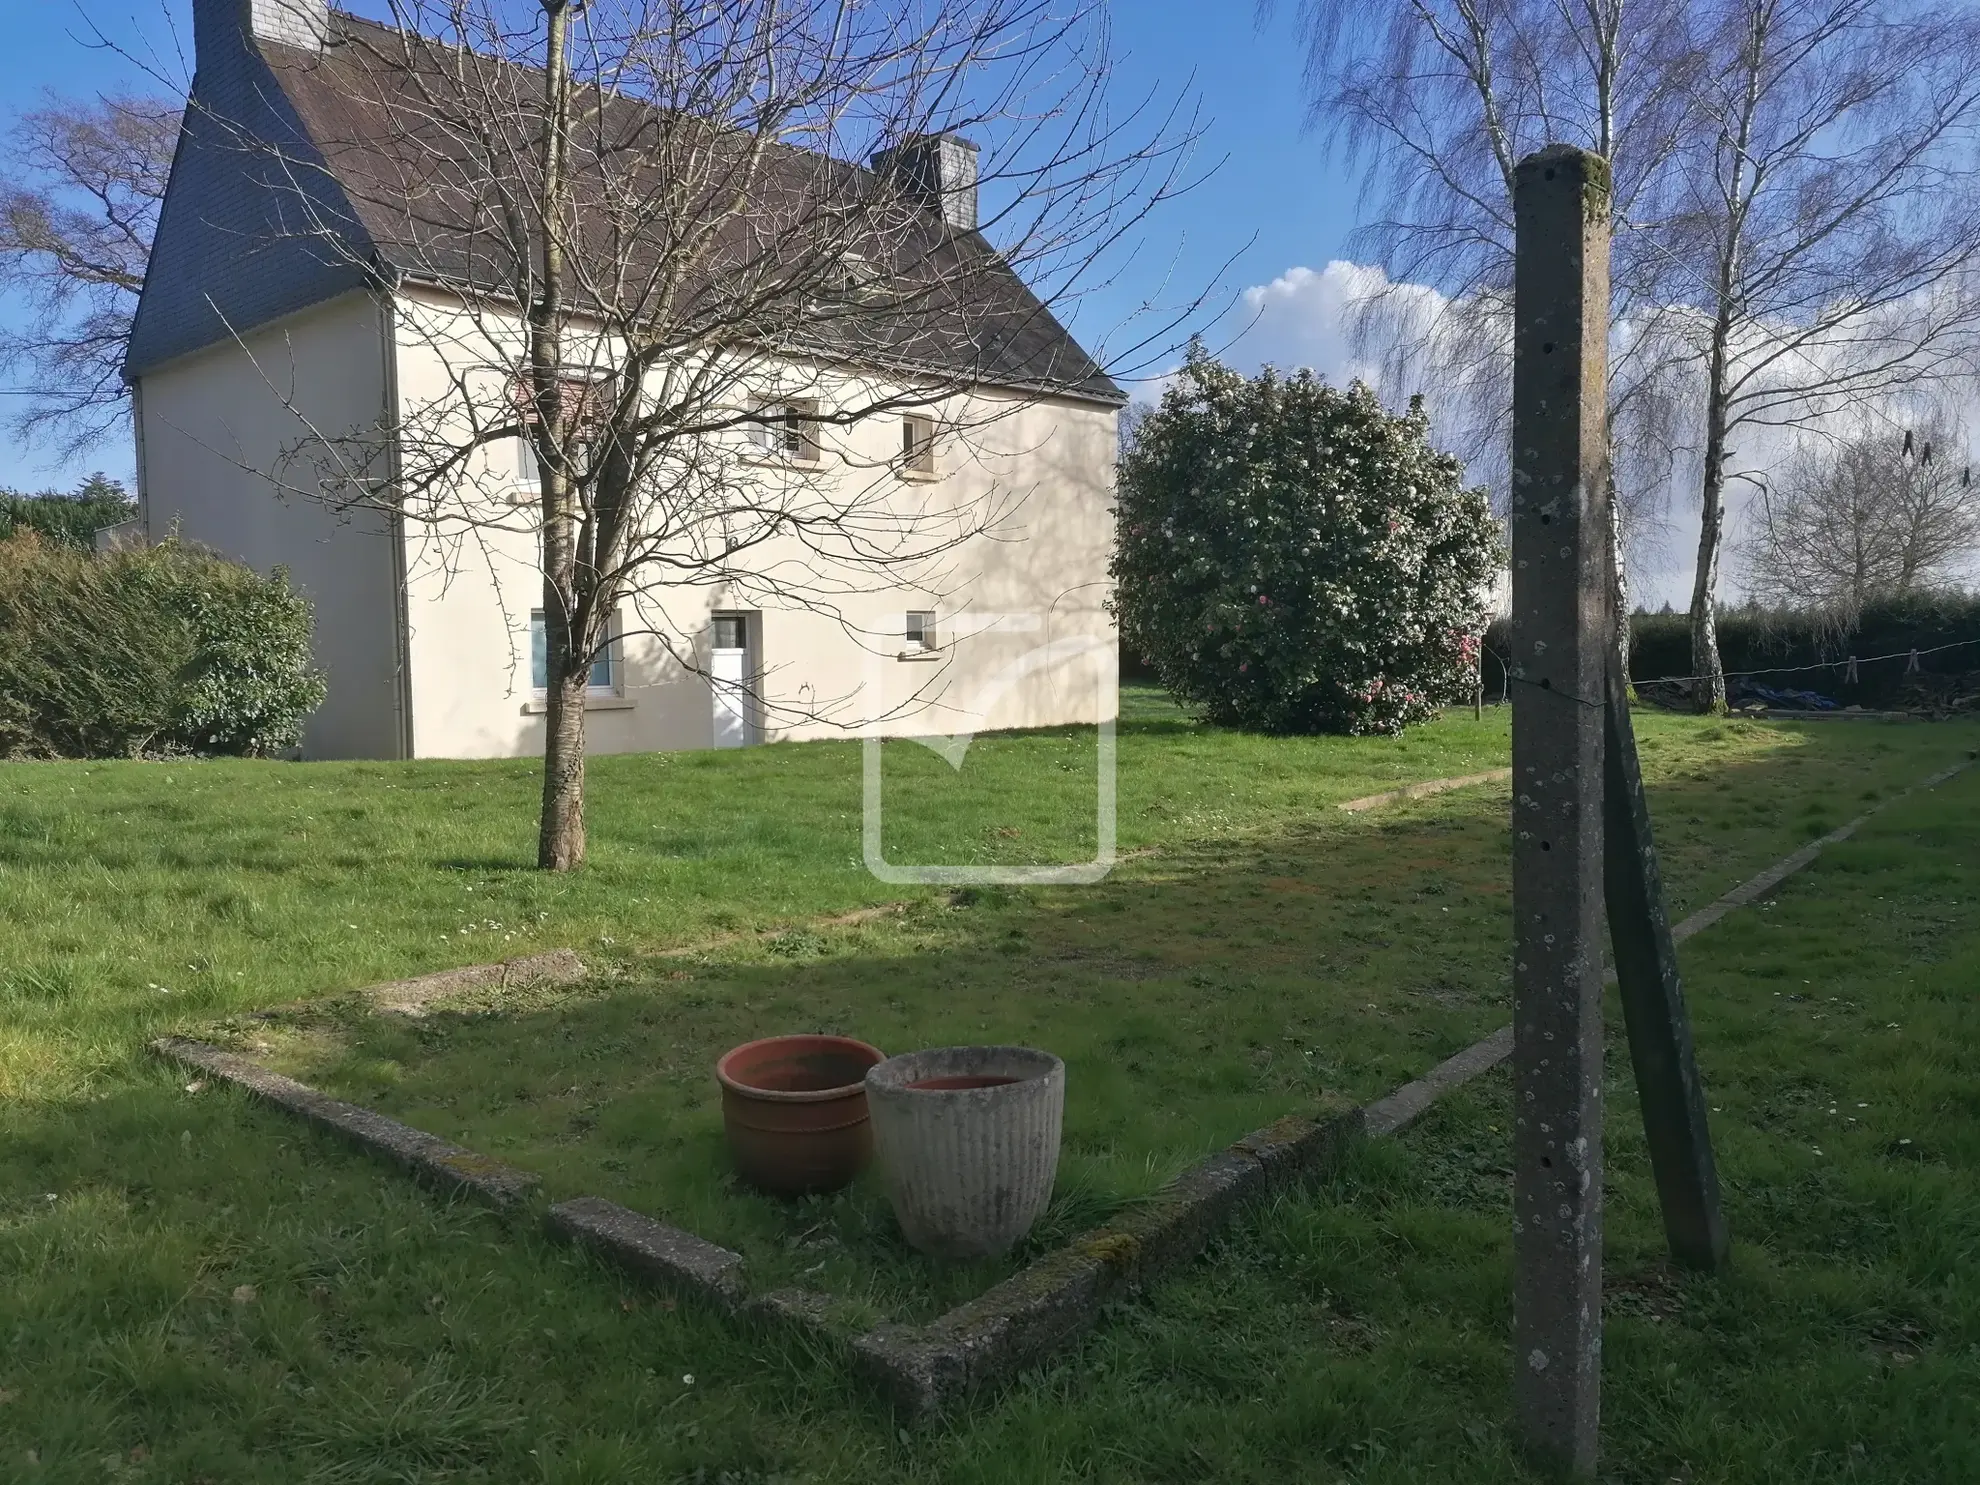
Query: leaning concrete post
(1561,635)
(1668,1087)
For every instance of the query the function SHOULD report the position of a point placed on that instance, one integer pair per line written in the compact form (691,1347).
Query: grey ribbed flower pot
(967,1139)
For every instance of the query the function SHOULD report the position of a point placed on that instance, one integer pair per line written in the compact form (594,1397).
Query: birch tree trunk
(1619,584)
(1708,690)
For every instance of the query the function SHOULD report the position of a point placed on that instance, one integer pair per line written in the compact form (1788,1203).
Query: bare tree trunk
(1709,689)
(1619,584)
(560,844)
(560,841)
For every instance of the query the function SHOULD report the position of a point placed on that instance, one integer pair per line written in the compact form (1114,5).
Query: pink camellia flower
(1243,666)
(1263,601)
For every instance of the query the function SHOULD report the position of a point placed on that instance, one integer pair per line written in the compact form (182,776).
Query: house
(290,305)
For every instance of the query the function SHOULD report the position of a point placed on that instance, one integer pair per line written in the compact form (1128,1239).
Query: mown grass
(1264,948)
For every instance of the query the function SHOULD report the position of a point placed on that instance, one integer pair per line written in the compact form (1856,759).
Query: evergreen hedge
(67,520)
(1790,650)
(1807,652)
(164,649)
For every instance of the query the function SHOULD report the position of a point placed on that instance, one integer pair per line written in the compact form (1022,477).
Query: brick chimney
(939,170)
(222,27)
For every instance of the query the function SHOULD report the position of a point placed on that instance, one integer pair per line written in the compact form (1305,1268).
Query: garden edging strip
(1428,786)
(431,1159)
(1017,1324)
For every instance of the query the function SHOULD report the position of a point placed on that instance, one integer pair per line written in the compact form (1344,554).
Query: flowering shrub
(1291,558)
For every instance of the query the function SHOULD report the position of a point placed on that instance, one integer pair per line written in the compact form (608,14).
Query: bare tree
(76,224)
(637,239)
(1828,233)
(1796,228)
(1872,516)
(1441,98)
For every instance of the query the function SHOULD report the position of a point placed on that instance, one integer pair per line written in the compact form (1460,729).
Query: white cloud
(1303,318)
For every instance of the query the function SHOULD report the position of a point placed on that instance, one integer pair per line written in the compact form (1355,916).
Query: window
(921,631)
(786,430)
(604,678)
(585,409)
(731,632)
(918,444)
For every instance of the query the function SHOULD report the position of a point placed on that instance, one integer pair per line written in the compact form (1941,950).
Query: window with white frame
(528,476)
(605,678)
(786,430)
(920,630)
(918,444)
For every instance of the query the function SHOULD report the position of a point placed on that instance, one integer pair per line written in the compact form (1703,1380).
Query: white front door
(729,676)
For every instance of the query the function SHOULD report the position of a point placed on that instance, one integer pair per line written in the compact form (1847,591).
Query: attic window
(853,276)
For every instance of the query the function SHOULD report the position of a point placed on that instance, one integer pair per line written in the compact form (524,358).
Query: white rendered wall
(232,436)
(1045,467)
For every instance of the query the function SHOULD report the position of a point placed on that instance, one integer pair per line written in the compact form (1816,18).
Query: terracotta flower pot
(795,1111)
(968,1139)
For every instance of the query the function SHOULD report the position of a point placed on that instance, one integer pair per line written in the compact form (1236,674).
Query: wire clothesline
(1846,662)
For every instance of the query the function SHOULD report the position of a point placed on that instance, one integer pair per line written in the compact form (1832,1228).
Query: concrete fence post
(1561,638)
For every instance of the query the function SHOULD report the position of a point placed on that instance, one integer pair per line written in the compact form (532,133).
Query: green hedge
(1792,651)
(164,649)
(67,520)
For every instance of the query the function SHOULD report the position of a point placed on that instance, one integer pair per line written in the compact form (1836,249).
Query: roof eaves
(1114,397)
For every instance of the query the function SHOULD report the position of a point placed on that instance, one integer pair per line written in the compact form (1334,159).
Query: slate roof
(357,176)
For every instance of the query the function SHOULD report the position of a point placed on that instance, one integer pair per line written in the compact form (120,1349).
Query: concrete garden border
(927,1370)
(1426,787)
(924,1369)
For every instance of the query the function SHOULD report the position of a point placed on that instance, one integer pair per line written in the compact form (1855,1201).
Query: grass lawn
(1255,947)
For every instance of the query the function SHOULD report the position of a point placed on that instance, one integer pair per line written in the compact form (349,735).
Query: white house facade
(249,348)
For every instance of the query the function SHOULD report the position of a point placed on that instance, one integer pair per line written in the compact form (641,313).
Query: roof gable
(366,147)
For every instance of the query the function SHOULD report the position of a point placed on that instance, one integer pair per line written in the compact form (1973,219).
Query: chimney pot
(939,170)
(222,27)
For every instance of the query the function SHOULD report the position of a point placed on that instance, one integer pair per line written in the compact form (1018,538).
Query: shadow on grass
(386,1334)
(1194,997)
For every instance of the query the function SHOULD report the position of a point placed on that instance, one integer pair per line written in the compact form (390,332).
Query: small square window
(918,444)
(604,677)
(921,631)
(786,430)
(731,632)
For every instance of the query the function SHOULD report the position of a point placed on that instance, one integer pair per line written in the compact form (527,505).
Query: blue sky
(1277,201)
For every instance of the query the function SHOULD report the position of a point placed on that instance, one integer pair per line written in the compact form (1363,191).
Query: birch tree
(1439,99)
(1795,229)
(1827,237)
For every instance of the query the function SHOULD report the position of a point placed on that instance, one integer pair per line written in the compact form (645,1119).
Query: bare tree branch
(76,222)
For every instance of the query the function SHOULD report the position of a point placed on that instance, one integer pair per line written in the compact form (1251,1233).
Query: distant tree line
(67,518)
(1796,214)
